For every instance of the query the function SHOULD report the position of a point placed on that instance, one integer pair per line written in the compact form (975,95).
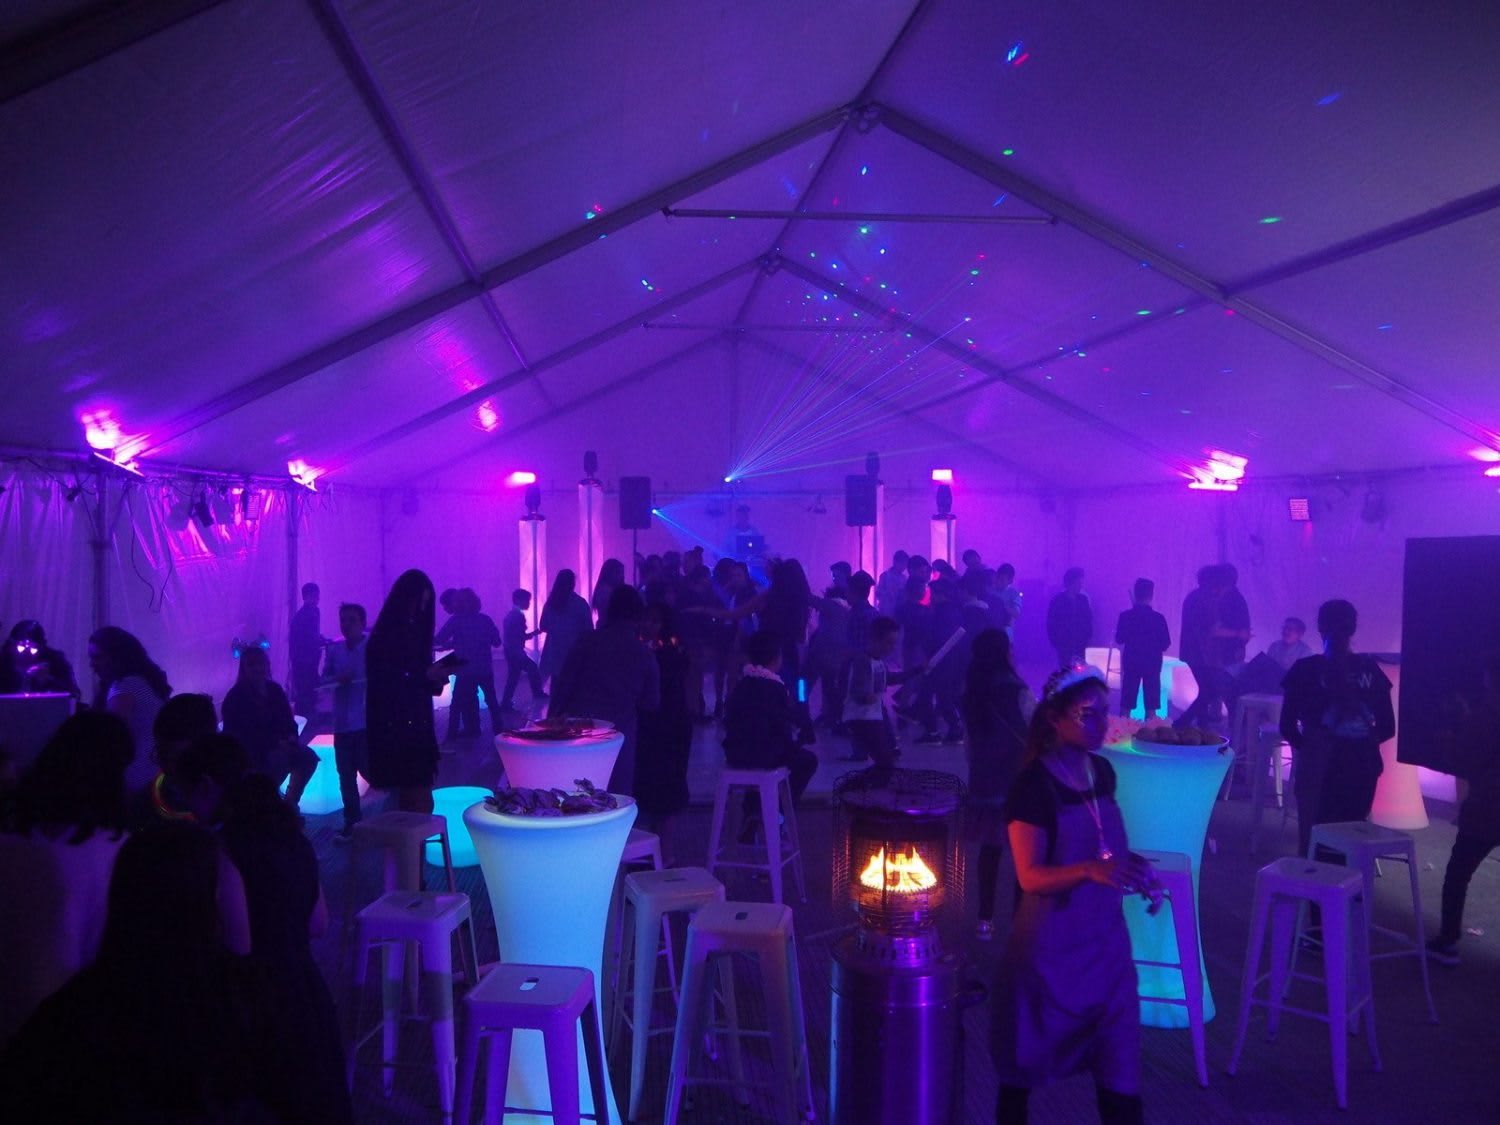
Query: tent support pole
(100,546)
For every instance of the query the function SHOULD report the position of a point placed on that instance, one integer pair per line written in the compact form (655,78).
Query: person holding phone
(401,681)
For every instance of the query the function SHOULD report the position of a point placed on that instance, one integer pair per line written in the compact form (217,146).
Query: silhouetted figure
(472,636)
(1335,712)
(134,688)
(760,726)
(610,674)
(565,618)
(1070,620)
(344,668)
(611,578)
(401,681)
(517,660)
(1144,638)
(30,664)
(666,733)
(305,643)
(258,714)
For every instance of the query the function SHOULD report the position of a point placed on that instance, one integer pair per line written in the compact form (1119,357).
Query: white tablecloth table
(559,763)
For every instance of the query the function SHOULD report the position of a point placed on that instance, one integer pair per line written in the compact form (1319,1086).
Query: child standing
(1143,637)
(865,711)
(513,638)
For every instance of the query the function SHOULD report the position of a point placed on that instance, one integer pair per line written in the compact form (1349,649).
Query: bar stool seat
(778,828)
(1282,890)
(1175,873)
(554,1000)
(1363,845)
(762,931)
(650,897)
(428,921)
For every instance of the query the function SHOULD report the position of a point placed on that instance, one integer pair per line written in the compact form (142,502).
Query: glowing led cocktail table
(558,763)
(549,880)
(1166,797)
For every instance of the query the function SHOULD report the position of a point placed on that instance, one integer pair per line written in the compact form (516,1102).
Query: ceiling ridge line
(563,355)
(409,316)
(1100,230)
(358,71)
(989,367)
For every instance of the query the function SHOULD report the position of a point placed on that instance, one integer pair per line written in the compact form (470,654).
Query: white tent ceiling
(426,241)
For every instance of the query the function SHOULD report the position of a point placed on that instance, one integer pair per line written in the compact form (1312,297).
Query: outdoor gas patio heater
(898,997)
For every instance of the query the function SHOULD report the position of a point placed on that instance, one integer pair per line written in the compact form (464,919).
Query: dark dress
(1065,992)
(403,747)
(263,724)
(609,675)
(666,739)
(280,870)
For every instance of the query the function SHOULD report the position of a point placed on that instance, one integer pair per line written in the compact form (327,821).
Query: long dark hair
(1041,737)
(127,657)
(78,780)
(611,575)
(988,658)
(788,604)
(408,618)
(563,588)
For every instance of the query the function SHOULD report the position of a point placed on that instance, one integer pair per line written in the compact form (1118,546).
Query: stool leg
(614,1005)
(448,862)
(593,1055)
(1421,929)
(642,994)
(562,1070)
(438,971)
(468,1067)
(1183,922)
(1257,782)
(776,980)
(794,840)
(1247,977)
(392,959)
(732,1022)
(800,1027)
(716,829)
(684,1040)
(1363,967)
(469,951)
(1336,954)
(770,811)
(497,1077)
(1283,958)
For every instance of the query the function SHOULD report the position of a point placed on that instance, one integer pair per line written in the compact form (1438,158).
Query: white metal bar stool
(1175,873)
(642,849)
(428,921)
(650,897)
(778,828)
(1282,889)
(762,930)
(399,837)
(1363,845)
(554,1000)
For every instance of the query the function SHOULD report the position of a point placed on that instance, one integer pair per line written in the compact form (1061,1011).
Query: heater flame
(903,872)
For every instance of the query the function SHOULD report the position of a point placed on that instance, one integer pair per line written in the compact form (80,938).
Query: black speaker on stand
(635,515)
(860,504)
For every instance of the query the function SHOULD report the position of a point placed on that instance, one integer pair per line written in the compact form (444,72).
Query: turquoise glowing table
(451,803)
(550,881)
(1166,797)
(322,794)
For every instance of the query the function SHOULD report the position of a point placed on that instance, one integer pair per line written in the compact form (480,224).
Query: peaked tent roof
(1050,244)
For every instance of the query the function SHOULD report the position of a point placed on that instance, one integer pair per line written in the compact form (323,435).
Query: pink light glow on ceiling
(487,416)
(1487,455)
(303,473)
(943,476)
(520,477)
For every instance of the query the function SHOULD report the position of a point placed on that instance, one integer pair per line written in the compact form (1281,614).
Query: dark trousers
(1335,781)
(1212,687)
(349,752)
(791,676)
(1468,853)
(463,714)
(305,681)
(515,664)
(1137,678)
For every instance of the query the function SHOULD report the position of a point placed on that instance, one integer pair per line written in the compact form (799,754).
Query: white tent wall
(186,594)
(1285,568)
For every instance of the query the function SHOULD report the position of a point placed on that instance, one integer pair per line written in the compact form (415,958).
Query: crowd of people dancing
(177,819)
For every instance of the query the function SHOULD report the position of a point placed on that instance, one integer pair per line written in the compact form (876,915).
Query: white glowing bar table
(558,763)
(322,793)
(550,881)
(1166,797)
